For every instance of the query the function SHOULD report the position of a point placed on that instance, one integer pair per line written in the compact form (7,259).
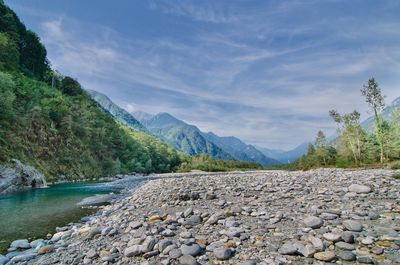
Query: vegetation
(48,121)
(207,163)
(355,146)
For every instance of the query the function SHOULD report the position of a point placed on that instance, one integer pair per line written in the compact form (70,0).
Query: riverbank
(266,217)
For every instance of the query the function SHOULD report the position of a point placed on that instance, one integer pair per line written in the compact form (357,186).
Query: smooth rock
(187,260)
(134,250)
(222,253)
(347,255)
(288,249)
(352,225)
(325,256)
(344,246)
(332,237)
(191,250)
(20,244)
(357,188)
(365,260)
(313,222)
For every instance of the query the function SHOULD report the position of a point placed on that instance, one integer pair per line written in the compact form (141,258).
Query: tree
(321,147)
(70,86)
(7,96)
(376,101)
(351,132)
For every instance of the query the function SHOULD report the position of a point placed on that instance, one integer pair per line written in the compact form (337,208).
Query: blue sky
(264,71)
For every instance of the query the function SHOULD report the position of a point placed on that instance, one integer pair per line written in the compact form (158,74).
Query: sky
(265,71)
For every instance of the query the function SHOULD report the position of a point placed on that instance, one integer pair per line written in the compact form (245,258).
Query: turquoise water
(35,213)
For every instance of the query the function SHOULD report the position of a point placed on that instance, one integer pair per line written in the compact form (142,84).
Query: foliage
(207,163)
(373,96)
(67,134)
(354,146)
(20,48)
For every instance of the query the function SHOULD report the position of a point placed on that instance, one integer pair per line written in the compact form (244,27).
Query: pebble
(347,255)
(352,225)
(191,250)
(266,217)
(187,260)
(325,256)
(313,222)
(222,253)
(357,188)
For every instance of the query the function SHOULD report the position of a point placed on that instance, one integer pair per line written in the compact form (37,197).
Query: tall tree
(373,96)
(351,131)
(321,147)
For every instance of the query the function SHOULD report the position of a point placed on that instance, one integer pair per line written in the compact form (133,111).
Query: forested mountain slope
(48,121)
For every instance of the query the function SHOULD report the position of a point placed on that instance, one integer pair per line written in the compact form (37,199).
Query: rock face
(17,176)
(265,217)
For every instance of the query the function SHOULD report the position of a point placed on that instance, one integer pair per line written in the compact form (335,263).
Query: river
(35,213)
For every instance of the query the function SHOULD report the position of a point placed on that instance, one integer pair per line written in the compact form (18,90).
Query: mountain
(182,136)
(240,150)
(286,156)
(368,124)
(141,115)
(191,140)
(49,122)
(118,113)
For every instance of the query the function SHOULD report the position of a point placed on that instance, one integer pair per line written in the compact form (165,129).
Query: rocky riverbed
(266,217)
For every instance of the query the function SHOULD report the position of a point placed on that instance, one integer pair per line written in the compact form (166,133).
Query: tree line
(354,145)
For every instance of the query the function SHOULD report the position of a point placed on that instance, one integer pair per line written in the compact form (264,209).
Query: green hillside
(48,121)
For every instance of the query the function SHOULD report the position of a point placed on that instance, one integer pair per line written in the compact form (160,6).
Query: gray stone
(135,224)
(22,258)
(357,188)
(148,244)
(175,253)
(187,260)
(91,254)
(332,237)
(347,255)
(352,225)
(164,243)
(365,260)
(317,243)
(348,237)
(191,250)
(313,222)
(344,246)
(248,262)
(3,260)
(213,219)
(377,250)
(20,244)
(134,250)
(188,212)
(223,253)
(288,249)
(307,251)
(17,176)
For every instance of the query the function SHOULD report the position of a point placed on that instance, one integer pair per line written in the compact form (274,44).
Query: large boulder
(18,176)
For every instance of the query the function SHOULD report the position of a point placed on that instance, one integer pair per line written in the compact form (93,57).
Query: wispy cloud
(266,72)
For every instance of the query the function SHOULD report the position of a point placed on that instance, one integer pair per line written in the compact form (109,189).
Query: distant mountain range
(286,157)
(182,136)
(192,140)
(294,154)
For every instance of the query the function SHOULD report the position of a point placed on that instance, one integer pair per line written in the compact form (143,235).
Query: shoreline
(205,218)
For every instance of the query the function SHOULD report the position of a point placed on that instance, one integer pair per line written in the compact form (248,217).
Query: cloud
(267,73)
